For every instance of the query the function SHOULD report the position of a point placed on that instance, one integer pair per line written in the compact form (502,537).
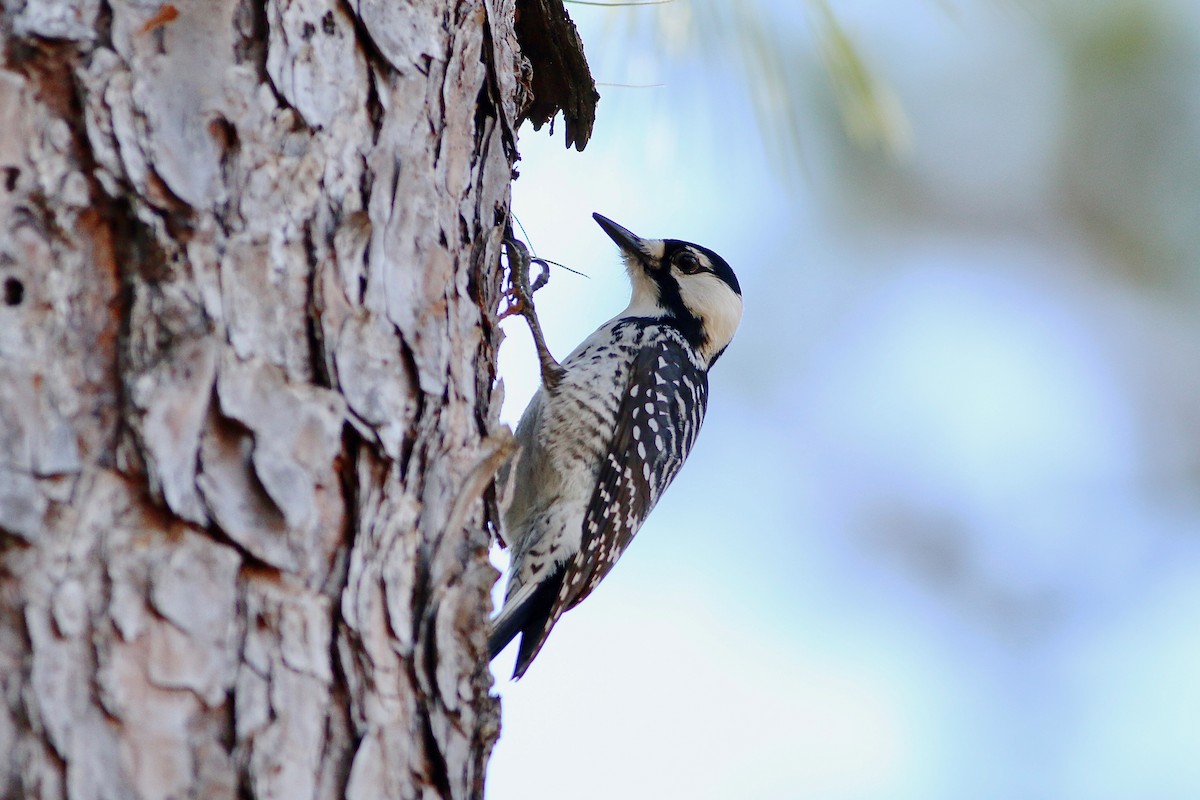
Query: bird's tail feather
(504,628)
(529,616)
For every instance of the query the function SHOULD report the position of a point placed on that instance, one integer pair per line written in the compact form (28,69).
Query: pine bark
(250,257)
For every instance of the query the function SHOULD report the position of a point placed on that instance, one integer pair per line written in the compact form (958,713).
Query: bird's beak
(627,241)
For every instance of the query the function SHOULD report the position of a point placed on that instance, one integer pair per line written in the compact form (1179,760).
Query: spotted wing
(657,425)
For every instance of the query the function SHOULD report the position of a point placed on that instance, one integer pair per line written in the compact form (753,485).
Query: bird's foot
(520,301)
(520,293)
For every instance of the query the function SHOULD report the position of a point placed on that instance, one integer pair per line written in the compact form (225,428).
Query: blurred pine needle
(770,54)
(871,113)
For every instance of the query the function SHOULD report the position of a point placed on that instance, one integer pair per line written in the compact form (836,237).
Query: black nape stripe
(678,315)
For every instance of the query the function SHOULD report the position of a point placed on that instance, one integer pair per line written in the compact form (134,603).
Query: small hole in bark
(307,30)
(9,178)
(14,292)
(223,133)
(327,24)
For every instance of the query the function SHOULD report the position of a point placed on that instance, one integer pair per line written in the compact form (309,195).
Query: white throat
(644,300)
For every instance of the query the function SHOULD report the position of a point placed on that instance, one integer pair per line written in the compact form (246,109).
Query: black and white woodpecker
(609,428)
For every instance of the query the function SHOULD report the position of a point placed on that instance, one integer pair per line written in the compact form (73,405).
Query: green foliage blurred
(1130,118)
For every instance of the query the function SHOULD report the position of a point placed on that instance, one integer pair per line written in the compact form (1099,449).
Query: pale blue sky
(940,537)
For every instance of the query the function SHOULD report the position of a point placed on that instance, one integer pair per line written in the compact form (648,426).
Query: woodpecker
(609,428)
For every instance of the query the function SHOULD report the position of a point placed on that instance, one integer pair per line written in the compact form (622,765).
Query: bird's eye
(687,262)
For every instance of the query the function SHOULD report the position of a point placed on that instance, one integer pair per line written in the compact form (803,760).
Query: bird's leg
(521,302)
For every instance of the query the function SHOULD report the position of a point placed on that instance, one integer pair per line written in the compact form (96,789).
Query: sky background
(940,536)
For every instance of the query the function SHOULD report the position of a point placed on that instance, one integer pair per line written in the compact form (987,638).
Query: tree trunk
(250,261)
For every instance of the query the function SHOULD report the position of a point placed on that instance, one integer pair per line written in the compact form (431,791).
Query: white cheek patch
(718,307)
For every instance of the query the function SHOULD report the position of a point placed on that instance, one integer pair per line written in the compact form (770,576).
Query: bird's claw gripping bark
(520,301)
(520,292)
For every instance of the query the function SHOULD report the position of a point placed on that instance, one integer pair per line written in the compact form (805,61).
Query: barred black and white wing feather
(657,424)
